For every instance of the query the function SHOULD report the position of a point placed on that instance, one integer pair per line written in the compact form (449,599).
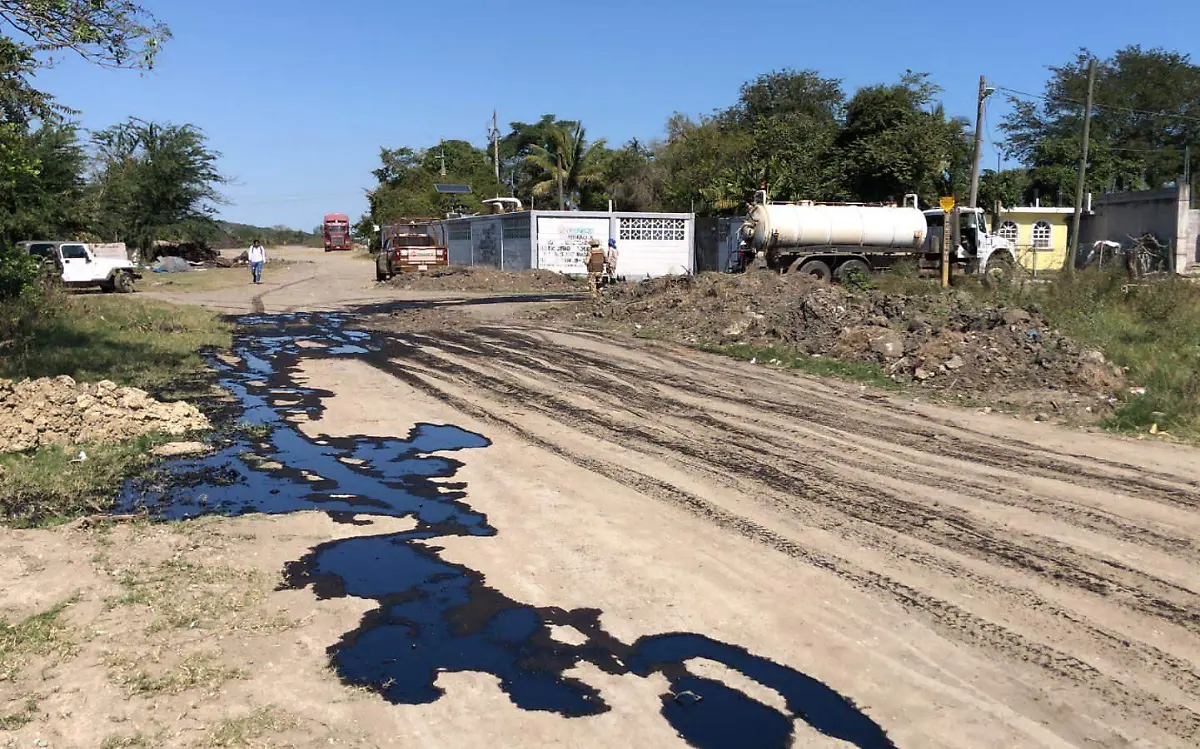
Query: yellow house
(1040,235)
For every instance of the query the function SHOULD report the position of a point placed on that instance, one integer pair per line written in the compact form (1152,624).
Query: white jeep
(79,265)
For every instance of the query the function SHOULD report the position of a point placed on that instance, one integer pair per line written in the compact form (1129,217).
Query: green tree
(792,118)
(895,140)
(632,178)
(567,157)
(1010,187)
(406,178)
(1147,113)
(109,33)
(154,181)
(708,165)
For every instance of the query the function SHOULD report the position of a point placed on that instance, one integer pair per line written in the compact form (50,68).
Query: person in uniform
(610,259)
(595,266)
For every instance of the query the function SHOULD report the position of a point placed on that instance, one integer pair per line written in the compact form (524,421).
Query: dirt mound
(954,340)
(482,278)
(60,411)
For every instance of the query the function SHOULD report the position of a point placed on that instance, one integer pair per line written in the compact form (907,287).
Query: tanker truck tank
(799,225)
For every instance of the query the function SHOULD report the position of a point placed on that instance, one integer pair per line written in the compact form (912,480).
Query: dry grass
(184,595)
(201,671)
(137,740)
(255,729)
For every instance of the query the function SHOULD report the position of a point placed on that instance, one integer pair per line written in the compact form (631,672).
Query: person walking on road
(257,255)
(595,267)
(610,259)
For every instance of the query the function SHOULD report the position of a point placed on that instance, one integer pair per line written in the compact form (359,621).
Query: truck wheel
(380,275)
(122,283)
(1000,270)
(818,269)
(852,271)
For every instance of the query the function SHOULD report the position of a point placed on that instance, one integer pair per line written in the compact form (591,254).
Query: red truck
(337,231)
(409,249)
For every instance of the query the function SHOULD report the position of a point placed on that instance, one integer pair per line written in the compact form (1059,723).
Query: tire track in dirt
(1073,513)
(423,370)
(996,452)
(871,503)
(1176,670)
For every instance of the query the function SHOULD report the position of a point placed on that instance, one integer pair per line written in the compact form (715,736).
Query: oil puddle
(434,616)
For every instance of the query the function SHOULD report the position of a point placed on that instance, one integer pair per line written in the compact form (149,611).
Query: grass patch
(131,341)
(46,488)
(136,342)
(138,740)
(188,596)
(208,279)
(196,671)
(21,717)
(783,356)
(248,730)
(41,635)
(1153,330)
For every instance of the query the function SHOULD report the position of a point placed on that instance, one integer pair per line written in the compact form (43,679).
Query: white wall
(654,244)
(562,241)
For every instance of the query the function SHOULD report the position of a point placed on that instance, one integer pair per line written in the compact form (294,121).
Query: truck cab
(336,227)
(978,248)
(408,252)
(74,264)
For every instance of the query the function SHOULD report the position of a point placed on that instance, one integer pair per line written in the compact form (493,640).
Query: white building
(649,244)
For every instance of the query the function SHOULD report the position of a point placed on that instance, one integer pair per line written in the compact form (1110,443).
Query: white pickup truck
(79,265)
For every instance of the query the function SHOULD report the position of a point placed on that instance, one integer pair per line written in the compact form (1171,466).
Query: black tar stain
(434,616)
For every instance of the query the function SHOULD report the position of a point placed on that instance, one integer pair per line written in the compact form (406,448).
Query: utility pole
(984,92)
(1073,251)
(496,145)
(442,150)
(562,204)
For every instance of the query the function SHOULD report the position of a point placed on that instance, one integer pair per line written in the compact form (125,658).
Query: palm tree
(567,157)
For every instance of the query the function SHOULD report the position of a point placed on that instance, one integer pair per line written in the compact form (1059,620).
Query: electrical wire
(1043,97)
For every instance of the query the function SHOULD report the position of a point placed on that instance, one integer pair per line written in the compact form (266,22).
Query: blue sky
(299,95)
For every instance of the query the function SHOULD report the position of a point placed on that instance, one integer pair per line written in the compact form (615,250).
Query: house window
(1009,231)
(1041,236)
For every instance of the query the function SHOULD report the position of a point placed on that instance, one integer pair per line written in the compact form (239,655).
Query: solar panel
(453,189)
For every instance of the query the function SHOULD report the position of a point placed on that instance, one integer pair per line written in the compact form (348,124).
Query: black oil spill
(434,616)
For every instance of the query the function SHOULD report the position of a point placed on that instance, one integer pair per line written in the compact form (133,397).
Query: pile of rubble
(60,411)
(951,340)
(483,278)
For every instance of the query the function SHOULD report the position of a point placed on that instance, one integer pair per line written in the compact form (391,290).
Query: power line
(1130,110)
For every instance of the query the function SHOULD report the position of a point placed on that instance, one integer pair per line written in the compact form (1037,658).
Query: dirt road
(533,537)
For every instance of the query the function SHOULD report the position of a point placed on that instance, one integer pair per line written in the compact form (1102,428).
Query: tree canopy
(153,181)
(109,33)
(1147,113)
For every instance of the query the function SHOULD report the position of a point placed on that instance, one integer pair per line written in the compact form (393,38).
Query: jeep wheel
(123,283)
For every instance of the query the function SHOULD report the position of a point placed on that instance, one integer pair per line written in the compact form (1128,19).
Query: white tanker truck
(841,240)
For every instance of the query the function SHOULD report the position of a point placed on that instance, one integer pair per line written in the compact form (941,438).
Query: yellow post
(947,205)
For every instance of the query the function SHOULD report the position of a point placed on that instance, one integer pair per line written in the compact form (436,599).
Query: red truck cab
(337,231)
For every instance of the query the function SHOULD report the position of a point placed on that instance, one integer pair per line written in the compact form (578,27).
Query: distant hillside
(231,235)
